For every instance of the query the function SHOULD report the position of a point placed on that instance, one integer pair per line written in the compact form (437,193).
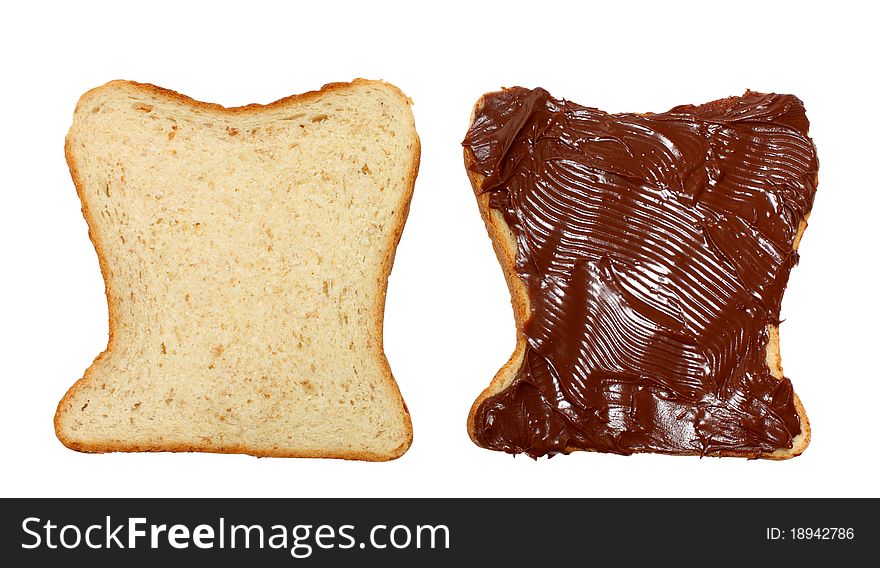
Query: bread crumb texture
(246,254)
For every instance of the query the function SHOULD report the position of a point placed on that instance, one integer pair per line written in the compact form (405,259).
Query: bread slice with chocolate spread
(646,257)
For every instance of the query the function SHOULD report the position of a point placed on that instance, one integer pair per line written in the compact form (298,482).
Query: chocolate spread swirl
(655,249)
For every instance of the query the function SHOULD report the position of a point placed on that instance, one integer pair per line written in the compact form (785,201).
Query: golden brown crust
(244,109)
(504,244)
(112,309)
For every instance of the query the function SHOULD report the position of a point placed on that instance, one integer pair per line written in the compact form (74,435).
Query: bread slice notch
(245,253)
(504,243)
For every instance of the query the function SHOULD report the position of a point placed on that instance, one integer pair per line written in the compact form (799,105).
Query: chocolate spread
(655,249)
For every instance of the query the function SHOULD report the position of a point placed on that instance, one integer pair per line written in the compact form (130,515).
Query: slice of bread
(504,242)
(246,253)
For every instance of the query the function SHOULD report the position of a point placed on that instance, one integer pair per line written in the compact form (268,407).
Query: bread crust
(113,311)
(504,244)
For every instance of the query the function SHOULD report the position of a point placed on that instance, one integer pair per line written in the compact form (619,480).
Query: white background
(449,324)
